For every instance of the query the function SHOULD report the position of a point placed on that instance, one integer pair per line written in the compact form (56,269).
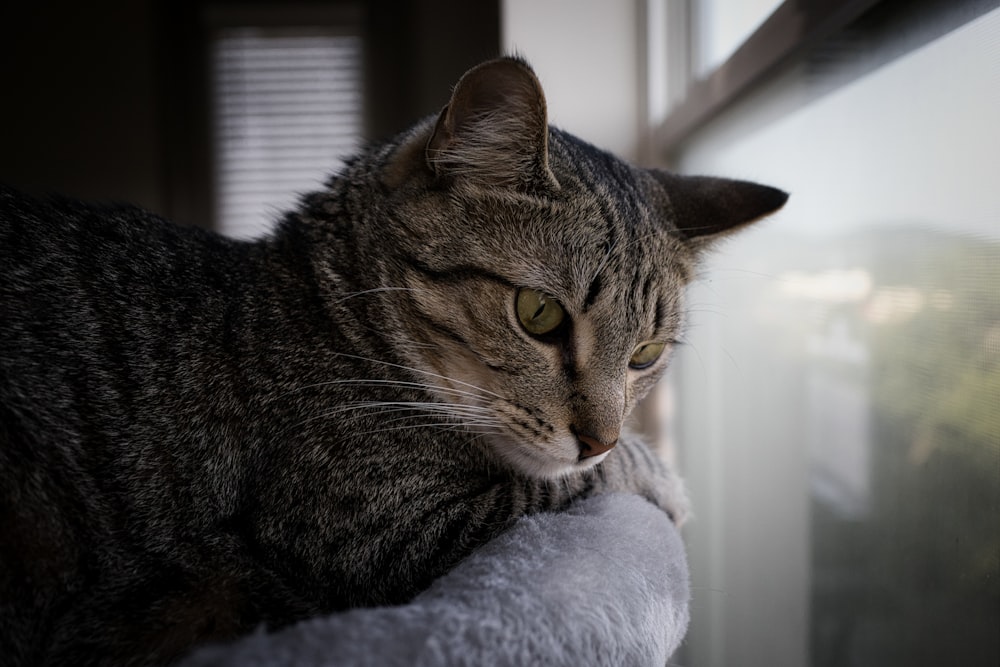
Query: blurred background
(836,406)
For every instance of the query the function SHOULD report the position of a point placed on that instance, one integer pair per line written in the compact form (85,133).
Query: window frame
(792,30)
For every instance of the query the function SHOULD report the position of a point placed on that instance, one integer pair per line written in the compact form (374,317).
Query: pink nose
(591,446)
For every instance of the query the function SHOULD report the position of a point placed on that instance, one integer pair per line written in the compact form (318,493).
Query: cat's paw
(674,497)
(634,467)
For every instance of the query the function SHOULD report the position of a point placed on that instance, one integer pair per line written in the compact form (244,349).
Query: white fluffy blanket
(604,583)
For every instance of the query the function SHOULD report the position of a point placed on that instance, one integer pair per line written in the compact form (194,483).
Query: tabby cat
(200,435)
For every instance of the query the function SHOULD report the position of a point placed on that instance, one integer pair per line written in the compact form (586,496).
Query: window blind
(287,111)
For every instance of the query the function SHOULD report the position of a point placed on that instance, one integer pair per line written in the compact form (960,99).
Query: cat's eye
(645,354)
(539,314)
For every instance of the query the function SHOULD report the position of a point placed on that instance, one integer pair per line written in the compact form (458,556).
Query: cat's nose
(591,445)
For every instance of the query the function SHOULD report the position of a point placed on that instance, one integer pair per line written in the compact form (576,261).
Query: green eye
(538,313)
(645,354)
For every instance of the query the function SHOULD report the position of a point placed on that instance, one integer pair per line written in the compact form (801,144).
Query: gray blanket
(604,583)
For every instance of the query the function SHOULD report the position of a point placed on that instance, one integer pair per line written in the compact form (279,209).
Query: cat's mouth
(552,460)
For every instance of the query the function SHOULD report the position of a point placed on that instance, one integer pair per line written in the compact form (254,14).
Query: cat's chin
(532,461)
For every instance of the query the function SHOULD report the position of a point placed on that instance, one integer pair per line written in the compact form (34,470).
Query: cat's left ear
(494,130)
(705,209)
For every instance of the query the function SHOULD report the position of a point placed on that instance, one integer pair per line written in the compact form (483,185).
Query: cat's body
(199,435)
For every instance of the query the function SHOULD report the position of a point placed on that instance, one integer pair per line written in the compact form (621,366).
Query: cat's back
(56,242)
(108,317)
(83,286)
(67,265)
(112,301)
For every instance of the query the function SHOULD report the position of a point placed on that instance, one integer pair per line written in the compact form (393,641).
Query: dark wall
(108,100)
(80,94)
(416,52)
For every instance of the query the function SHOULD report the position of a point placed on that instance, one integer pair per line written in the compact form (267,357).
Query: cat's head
(542,279)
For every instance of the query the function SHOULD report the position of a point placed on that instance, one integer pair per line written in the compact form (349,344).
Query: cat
(200,435)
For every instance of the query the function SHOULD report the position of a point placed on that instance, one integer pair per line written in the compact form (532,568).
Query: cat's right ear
(494,131)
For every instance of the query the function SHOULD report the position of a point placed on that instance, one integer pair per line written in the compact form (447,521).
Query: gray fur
(199,435)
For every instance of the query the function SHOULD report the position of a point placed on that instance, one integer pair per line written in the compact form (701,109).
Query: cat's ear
(495,128)
(705,209)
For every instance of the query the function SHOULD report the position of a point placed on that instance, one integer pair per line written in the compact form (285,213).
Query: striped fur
(199,435)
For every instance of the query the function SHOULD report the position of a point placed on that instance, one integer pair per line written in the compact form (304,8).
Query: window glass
(722,25)
(287,110)
(838,404)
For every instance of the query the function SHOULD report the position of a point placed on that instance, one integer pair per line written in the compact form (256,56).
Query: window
(287,103)
(723,25)
(837,410)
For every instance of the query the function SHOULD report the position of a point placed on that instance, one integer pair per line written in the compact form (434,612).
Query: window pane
(722,25)
(839,402)
(287,111)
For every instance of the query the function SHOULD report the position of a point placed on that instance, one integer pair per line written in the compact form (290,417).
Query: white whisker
(426,406)
(443,426)
(463,416)
(418,370)
(398,383)
(376,290)
(460,422)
